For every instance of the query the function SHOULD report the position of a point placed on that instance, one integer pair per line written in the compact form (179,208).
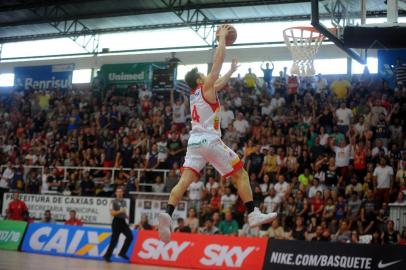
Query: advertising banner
(152,207)
(300,255)
(11,234)
(125,75)
(73,241)
(200,251)
(44,77)
(93,210)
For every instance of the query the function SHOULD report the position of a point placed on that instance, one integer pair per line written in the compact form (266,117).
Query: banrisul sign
(124,75)
(11,234)
(44,77)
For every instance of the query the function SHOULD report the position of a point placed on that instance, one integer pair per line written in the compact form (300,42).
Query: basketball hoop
(303,43)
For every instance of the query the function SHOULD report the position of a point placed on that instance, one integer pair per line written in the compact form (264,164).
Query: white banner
(94,210)
(152,207)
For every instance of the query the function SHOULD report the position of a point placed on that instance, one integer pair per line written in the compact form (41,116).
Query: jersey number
(195,116)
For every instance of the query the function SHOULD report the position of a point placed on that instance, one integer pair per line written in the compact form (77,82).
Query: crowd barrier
(217,252)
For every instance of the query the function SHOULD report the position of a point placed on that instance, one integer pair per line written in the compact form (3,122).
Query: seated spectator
(87,185)
(390,235)
(47,218)
(17,209)
(73,220)
(317,205)
(158,186)
(272,202)
(182,227)
(299,231)
(275,231)
(319,236)
(228,200)
(343,234)
(144,224)
(209,228)
(228,226)
(192,221)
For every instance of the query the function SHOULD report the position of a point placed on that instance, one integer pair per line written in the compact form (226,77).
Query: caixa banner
(44,77)
(302,255)
(200,251)
(74,241)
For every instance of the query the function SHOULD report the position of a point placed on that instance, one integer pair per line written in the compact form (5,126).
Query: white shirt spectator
(44,186)
(144,93)
(277,102)
(313,190)
(321,85)
(376,151)
(281,189)
(241,126)
(228,201)
(179,114)
(265,188)
(227,118)
(8,174)
(195,190)
(343,155)
(162,151)
(272,204)
(344,116)
(383,176)
(324,139)
(209,186)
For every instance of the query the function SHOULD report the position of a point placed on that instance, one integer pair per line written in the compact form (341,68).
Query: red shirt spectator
(17,210)
(73,220)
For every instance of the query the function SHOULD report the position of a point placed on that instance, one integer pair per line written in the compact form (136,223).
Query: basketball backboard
(358,25)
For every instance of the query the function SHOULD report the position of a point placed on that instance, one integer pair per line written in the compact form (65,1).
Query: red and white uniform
(205,144)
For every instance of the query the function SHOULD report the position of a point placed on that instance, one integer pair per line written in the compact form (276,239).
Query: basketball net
(303,43)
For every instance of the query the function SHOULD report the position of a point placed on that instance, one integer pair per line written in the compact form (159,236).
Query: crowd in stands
(327,155)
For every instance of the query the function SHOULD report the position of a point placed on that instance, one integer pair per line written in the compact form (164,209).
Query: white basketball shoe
(164,227)
(256,218)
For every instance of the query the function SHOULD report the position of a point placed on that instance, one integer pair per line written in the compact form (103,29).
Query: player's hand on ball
(234,64)
(223,30)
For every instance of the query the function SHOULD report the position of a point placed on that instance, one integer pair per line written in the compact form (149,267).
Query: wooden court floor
(13,260)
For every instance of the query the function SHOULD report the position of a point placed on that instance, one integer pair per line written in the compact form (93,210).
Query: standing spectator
(321,85)
(5,180)
(195,192)
(162,145)
(17,210)
(33,183)
(241,125)
(228,200)
(344,116)
(179,110)
(268,76)
(340,88)
(73,220)
(228,226)
(227,116)
(250,80)
(383,180)
(47,218)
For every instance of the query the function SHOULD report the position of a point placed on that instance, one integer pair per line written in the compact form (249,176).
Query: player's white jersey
(205,115)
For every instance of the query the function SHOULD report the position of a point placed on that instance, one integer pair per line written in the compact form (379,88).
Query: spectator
(344,116)
(340,88)
(192,221)
(299,231)
(383,180)
(319,236)
(228,226)
(33,183)
(250,80)
(158,186)
(144,224)
(272,202)
(267,76)
(47,218)
(73,220)
(182,227)
(87,186)
(17,210)
(228,200)
(275,231)
(195,193)
(241,125)
(209,228)
(390,236)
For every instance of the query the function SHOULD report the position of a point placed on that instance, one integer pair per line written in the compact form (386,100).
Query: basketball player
(205,144)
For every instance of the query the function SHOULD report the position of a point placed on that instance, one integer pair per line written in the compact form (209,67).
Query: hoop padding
(303,43)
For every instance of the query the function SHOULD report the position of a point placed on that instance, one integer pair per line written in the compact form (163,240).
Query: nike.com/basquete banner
(199,251)
(302,255)
(74,241)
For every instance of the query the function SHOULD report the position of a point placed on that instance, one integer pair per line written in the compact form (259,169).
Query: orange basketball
(231,36)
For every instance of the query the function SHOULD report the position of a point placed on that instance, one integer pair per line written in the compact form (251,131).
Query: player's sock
(250,206)
(170,208)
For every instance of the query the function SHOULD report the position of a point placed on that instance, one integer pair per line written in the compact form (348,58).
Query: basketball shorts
(203,149)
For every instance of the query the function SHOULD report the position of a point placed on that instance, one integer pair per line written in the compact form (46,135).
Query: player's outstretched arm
(221,82)
(218,58)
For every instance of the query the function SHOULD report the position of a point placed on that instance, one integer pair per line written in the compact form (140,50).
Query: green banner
(11,233)
(124,75)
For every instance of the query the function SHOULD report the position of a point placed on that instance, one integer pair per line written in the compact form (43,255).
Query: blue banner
(44,77)
(73,241)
